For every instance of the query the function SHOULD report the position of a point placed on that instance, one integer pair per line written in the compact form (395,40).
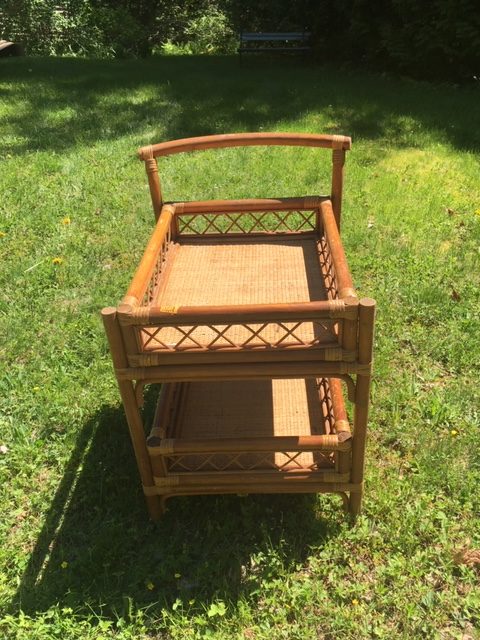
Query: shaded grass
(78,555)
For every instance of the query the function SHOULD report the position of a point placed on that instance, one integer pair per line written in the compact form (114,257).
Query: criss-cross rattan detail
(254,461)
(326,266)
(325,397)
(211,337)
(245,222)
(154,281)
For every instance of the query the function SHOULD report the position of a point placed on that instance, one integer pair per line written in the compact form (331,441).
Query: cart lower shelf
(255,436)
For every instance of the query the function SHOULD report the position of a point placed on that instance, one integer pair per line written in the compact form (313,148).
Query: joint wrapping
(150,491)
(338,141)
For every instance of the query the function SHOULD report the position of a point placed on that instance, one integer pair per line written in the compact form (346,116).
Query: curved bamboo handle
(245,140)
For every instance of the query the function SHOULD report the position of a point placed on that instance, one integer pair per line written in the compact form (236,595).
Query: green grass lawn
(79,557)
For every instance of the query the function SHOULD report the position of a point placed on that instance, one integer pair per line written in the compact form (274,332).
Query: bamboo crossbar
(248,204)
(236,314)
(244,140)
(242,371)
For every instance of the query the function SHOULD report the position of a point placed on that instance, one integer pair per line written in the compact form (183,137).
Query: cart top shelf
(261,282)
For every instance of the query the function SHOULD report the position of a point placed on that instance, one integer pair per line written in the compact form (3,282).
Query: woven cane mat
(265,408)
(235,272)
(254,271)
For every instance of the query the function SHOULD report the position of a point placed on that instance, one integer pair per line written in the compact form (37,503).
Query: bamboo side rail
(164,404)
(342,425)
(342,272)
(242,479)
(147,264)
(309,485)
(158,430)
(331,442)
(244,140)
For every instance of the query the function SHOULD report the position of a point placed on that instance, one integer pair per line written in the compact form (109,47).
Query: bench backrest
(266,37)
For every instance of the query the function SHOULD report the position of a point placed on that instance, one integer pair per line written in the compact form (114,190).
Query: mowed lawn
(79,558)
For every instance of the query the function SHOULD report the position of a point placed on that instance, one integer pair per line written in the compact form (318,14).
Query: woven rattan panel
(246,409)
(245,271)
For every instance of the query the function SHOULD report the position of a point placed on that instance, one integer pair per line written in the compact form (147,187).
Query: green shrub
(210,33)
(438,40)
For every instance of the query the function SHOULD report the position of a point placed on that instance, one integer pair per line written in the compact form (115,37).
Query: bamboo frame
(134,419)
(338,162)
(249,204)
(341,350)
(362,398)
(244,140)
(240,371)
(229,445)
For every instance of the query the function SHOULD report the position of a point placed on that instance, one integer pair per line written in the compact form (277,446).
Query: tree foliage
(439,39)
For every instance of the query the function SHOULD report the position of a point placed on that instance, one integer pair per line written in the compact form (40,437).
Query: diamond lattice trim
(154,281)
(326,265)
(326,404)
(264,460)
(211,337)
(245,222)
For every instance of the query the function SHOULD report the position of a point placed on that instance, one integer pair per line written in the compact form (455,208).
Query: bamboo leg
(359,437)
(362,395)
(151,168)
(134,419)
(338,161)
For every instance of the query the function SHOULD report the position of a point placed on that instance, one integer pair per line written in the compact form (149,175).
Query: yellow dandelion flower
(355,602)
(66,220)
(150,586)
(2,234)
(57,260)
(477,212)
(454,432)
(36,389)
(64,564)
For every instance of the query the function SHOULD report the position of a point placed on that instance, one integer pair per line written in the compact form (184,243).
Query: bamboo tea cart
(245,311)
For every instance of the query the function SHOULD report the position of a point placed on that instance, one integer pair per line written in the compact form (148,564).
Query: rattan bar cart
(245,311)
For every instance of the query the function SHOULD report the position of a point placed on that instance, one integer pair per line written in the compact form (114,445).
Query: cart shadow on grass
(97,551)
